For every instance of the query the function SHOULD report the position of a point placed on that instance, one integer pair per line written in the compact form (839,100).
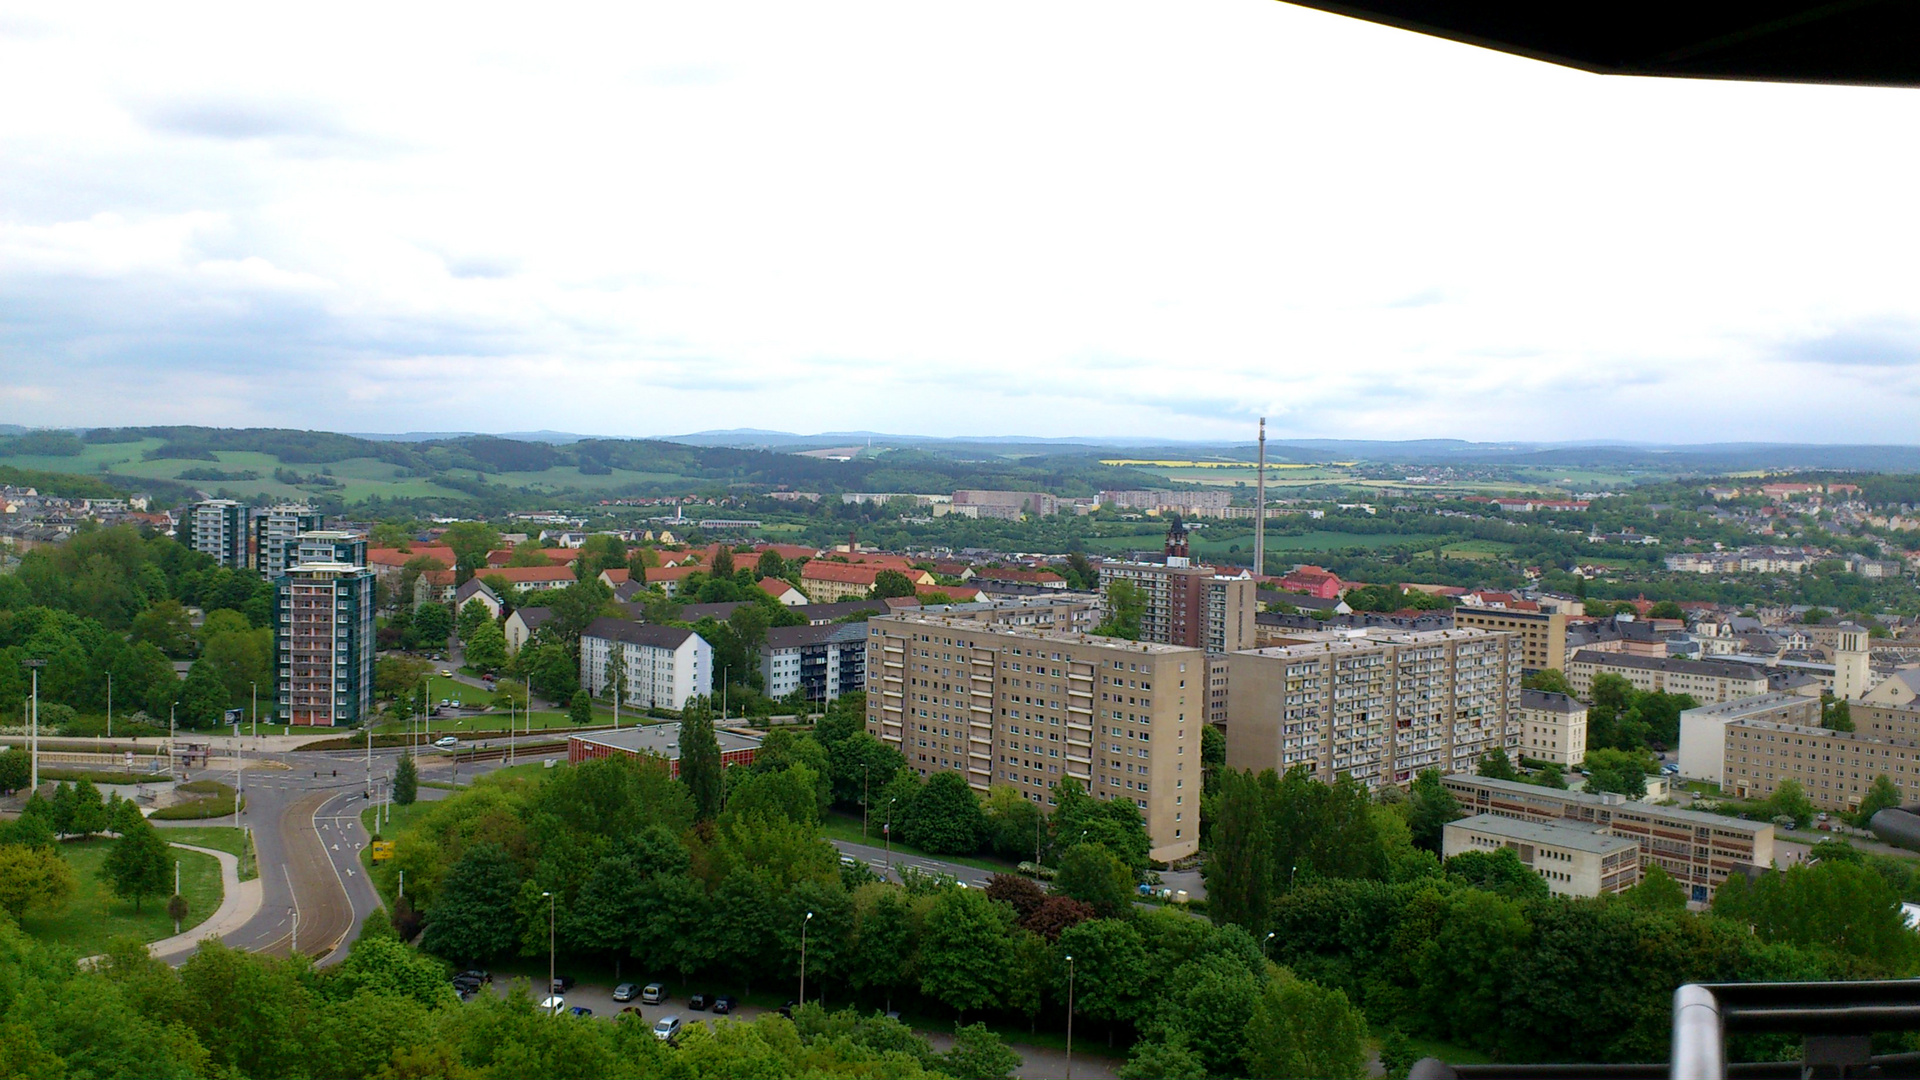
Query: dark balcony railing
(1837,1020)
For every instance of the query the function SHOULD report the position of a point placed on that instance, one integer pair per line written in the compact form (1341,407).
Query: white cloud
(1093,217)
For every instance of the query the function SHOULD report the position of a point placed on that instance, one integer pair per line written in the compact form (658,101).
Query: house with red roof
(668,578)
(1045,579)
(556,576)
(783,591)
(827,582)
(1315,581)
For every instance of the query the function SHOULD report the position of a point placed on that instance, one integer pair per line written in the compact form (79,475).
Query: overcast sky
(1034,217)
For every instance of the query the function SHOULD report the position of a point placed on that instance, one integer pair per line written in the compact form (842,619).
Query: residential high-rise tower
(324,643)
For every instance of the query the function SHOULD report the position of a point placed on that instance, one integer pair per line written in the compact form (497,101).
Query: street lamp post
(550,903)
(888,830)
(253,714)
(863,802)
(34,666)
(803,957)
(1263,944)
(1069,1016)
(109,706)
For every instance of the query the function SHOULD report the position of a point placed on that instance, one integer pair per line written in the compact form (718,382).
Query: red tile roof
(841,572)
(524,575)
(384,556)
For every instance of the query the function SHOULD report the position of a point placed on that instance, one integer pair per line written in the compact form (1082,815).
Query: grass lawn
(225,838)
(94,915)
(837,826)
(1448,1052)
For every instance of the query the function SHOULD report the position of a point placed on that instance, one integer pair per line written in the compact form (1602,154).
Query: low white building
(665,666)
(1573,858)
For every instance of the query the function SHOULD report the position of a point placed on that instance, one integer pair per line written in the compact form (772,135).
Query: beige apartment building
(1703,731)
(1543,634)
(1834,768)
(1884,721)
(1004,705)
(1553,728)
(1378,704)
(1574,859)
(1709,681)
(1698,850)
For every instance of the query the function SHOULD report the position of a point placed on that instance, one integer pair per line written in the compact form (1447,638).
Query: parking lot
(599,998)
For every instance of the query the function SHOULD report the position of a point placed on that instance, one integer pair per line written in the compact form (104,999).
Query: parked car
(553,1004)
(725,1004)
(667,1028)
(626,991)
(787,1009)
(476,973)
(698,1002)
(634,1009)
(654,994)
(562,983)
(446,674)
(581,1010)
(446,740)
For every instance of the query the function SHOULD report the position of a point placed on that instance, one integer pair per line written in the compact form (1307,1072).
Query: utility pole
(34,666)
(109,706)
(1260,510)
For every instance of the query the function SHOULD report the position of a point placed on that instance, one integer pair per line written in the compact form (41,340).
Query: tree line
(113,603)
(1475,951)
(708,878)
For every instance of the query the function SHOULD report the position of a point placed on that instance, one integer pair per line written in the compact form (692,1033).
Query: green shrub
(205,787)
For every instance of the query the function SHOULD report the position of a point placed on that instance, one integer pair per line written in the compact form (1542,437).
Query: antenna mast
(1260,508)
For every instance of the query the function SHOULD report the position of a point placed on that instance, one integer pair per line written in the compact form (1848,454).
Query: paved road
(889,866)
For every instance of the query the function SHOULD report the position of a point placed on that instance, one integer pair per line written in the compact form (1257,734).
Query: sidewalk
(239,902)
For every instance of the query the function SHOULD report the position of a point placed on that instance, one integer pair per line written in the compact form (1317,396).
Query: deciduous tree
(140,865)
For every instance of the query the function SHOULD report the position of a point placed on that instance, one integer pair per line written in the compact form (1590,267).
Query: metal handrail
(1835,1018)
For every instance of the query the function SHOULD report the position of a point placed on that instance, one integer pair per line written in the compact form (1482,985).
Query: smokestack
(1260,507)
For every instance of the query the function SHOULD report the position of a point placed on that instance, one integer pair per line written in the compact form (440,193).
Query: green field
(225,838)
(94,916)
(358,477)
